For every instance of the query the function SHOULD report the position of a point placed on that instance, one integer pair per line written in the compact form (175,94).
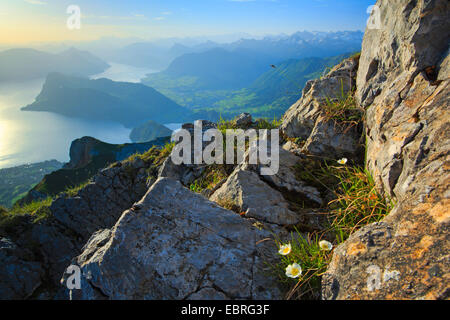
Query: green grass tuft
(31,208)
(264,123)
(9,220)
(357,203)
(209,179)
(343,109)
(260,123)
(73,191)
(164,153)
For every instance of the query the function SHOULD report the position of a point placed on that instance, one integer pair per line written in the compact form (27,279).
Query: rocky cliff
(403,83)
(148,229)
(37,246)
(87,157)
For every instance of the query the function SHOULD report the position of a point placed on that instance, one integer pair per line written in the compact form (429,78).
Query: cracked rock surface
(403,80)
(177,245)
(300,120)
(54,241)
(306,119)
(261,197)
(19,277)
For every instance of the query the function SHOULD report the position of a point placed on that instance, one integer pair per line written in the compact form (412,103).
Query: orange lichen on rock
(356,248)
(441,211)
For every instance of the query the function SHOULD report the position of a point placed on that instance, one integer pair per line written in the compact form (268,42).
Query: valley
(16,182)
(268,93)
(205,81)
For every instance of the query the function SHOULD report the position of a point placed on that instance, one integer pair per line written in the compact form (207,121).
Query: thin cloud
(36,2)
(136,16)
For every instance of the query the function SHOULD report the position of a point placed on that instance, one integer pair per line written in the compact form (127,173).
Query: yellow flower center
(295,271)
(286,250)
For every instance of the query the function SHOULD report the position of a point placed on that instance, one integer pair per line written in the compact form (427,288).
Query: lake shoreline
(34,137)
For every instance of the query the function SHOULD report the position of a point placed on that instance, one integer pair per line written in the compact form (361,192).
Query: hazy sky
(24,21)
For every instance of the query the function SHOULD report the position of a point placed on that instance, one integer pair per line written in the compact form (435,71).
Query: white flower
(285,250)
(325,245)
(293,271)
(343,161)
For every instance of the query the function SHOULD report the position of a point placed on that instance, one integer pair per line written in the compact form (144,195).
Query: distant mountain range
(268,92)
(203,80)
(158,55)
(128,103)
(27,64)
(215,69)
(277,89)
(225,79)
(303,44)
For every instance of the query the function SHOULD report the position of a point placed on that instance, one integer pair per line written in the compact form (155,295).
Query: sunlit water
(27,137)
(121,72)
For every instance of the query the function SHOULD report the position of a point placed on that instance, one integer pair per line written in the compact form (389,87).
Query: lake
(28,137)
(121,72)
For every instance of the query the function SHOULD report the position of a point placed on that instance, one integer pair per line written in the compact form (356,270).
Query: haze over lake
(121,72)
(28,137)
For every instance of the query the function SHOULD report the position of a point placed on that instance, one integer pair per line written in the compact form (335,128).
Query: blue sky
(45,19)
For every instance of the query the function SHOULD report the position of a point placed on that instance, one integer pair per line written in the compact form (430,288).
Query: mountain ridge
(298,45)
(87,156)
(38,64)
(268,93)
(104,99)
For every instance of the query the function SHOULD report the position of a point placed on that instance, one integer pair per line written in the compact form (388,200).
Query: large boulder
(308,121)
(101,202)
(286,179)
(403,81)
(399,78)
(300,120)
(187,173)
(69,223)
(175,244)
(273,199)
(245,192)
(335,141)
(244,120)
(21,276)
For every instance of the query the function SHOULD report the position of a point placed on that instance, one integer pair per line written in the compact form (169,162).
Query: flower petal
(325,245)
